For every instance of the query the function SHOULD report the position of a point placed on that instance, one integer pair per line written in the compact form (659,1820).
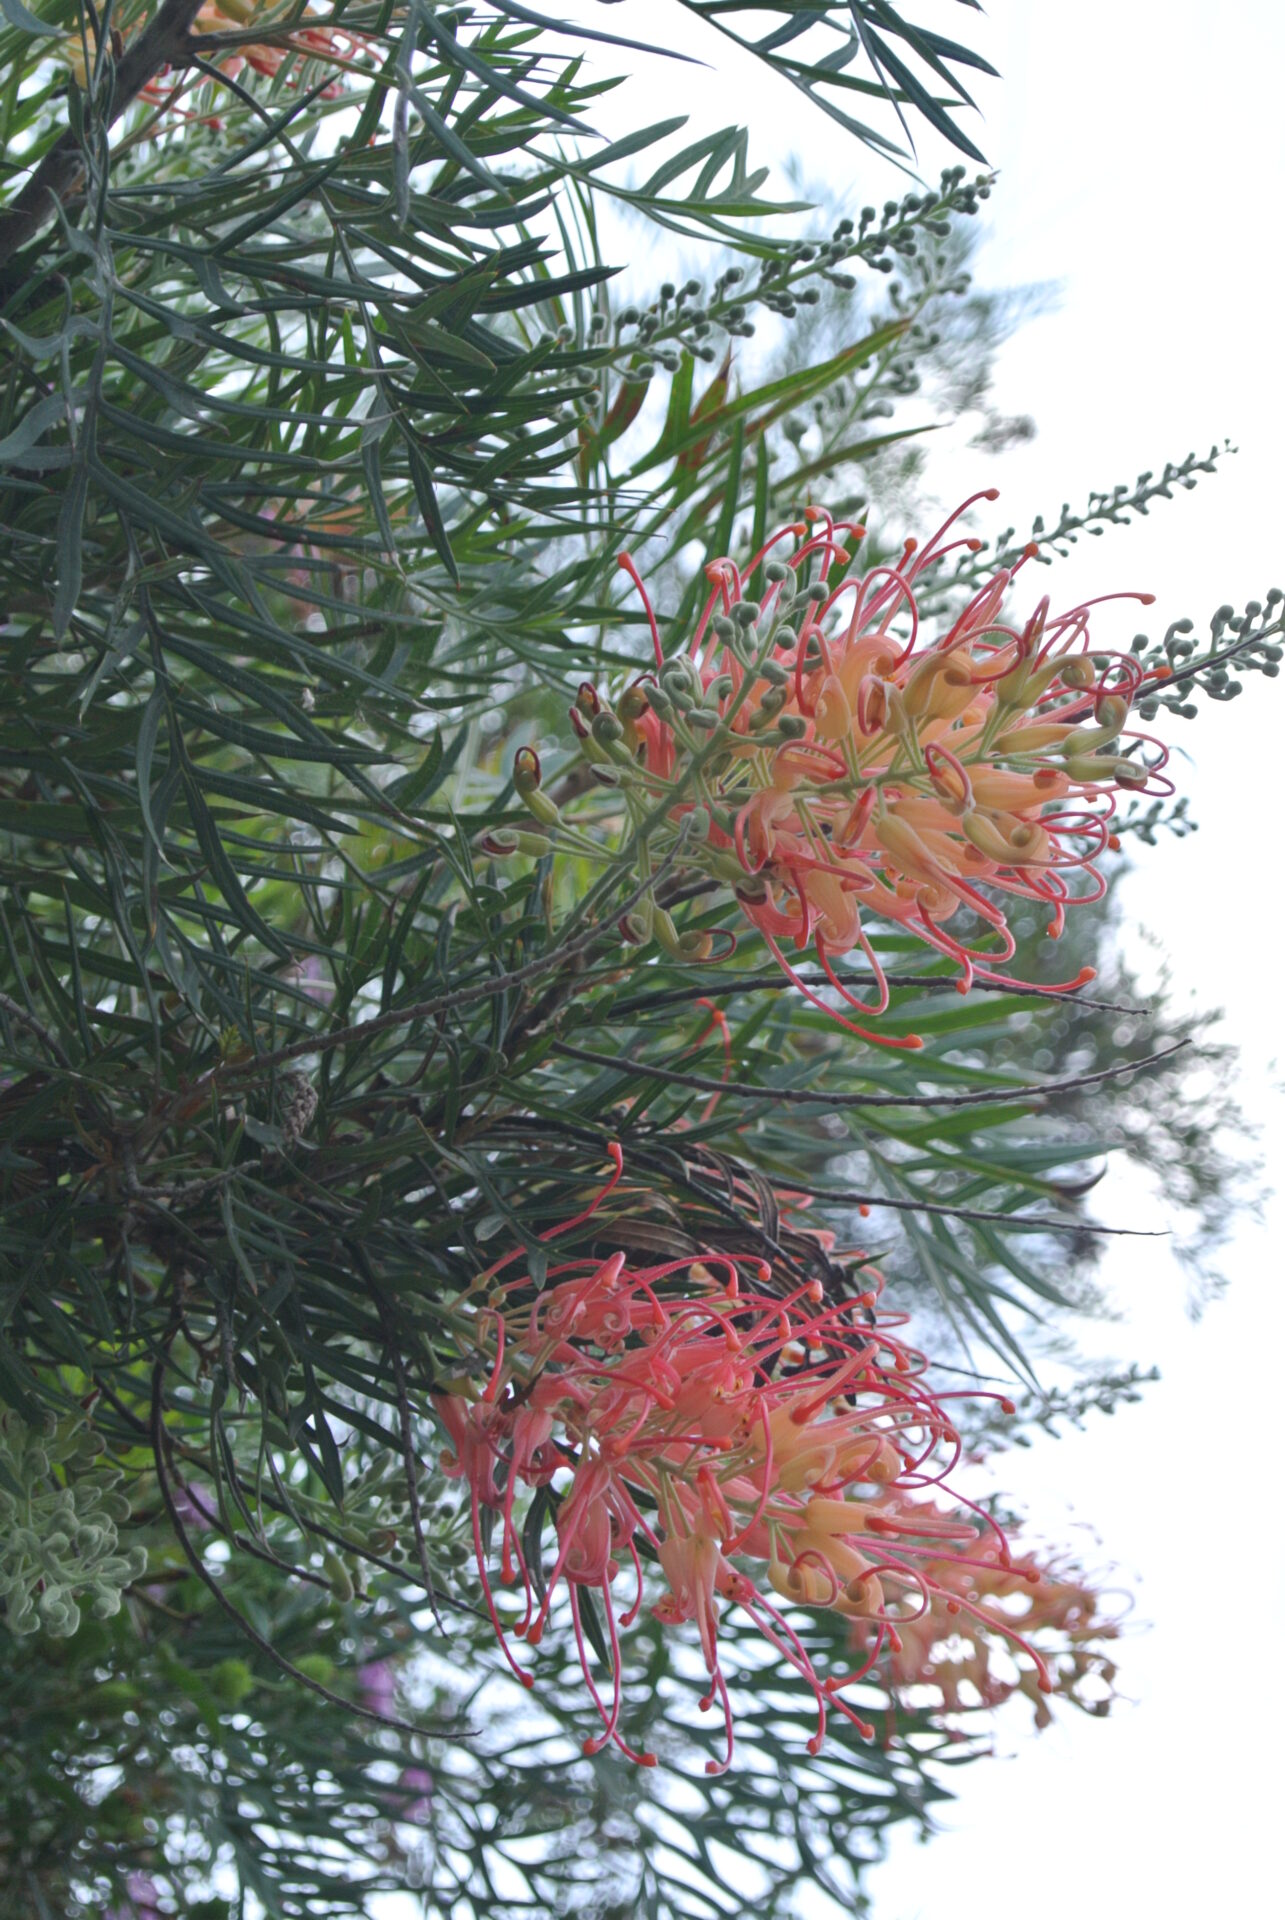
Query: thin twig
(808,1097)
(310,1526)
(1029,1222)
(252,1547)
(187,1190)
(1217,657)
(18,1012)
(774,981)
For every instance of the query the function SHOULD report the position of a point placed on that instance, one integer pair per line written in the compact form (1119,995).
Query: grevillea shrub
(324,414)
(819,755)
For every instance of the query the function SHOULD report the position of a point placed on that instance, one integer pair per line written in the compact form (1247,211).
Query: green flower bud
(318,1667)
(231,1681)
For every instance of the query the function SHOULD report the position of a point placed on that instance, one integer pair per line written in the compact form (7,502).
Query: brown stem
(162,44)
(823,1097)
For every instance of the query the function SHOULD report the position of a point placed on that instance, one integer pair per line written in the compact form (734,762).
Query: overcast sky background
(1141,150)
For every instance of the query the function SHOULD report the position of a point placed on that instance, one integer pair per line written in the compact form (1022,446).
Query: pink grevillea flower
(834,766)
(741,1440)
(309,39)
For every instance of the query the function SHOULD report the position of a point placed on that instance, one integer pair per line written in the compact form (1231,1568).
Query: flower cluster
(305,40)
(741,1440)
(828,764)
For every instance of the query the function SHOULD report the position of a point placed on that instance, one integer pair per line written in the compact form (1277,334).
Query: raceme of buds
(743,1442)
(831,764)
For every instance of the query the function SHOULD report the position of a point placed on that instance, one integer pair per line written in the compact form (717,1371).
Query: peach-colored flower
(829,764)
(979,1605)
(306,40)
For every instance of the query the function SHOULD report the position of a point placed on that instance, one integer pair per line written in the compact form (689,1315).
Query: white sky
(1142,155)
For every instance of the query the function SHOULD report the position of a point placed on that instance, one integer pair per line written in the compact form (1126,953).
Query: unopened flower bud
(1094,766)
(681,681)
(526,779)
(526,770)
(1112,711)
(503,843)
(636,925)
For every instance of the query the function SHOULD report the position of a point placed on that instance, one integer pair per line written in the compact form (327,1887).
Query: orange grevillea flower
(741,1440)
(833,765)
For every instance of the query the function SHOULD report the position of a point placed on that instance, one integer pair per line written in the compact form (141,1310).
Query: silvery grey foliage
(59,1514)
